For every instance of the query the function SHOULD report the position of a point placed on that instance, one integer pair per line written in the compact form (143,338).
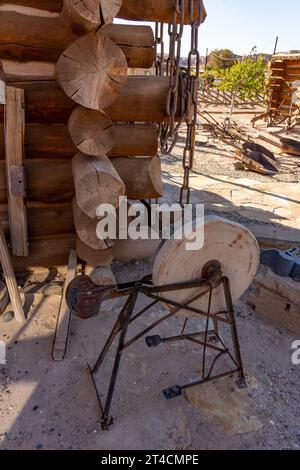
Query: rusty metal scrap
(255,157)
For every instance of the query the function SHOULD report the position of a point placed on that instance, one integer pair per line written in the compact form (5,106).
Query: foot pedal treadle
(153,341)
(172,392)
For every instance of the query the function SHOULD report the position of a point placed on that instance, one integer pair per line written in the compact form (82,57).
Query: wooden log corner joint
(76,130)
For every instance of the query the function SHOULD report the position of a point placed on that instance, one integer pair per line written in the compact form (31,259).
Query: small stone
(8,316)
(39,446)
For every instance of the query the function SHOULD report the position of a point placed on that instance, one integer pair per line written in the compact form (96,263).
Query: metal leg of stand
(126,317)
(216,326)
(177,390)
(116,329)
(234,334)
(106,419)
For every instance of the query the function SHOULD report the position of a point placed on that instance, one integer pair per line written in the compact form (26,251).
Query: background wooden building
(284,83)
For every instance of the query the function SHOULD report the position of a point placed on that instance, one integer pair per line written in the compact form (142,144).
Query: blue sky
(241,24)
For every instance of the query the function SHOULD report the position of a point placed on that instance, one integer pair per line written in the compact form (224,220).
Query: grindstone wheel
(231,245)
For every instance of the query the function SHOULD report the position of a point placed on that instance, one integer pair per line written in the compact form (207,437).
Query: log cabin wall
(35,37)
(284,81)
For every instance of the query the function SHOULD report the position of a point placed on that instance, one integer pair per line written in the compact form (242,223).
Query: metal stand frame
(209,339)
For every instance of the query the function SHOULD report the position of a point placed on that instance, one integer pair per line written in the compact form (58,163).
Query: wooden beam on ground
(10,280)
(64,314)
(14,150)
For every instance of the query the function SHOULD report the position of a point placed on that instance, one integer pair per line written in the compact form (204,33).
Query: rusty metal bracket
(18,184)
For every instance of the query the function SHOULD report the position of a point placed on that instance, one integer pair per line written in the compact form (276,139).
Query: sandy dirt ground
(52,405)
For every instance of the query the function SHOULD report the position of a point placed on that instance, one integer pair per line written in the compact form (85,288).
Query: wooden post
(10,280)
(63,320)
(92,71)
(14,150)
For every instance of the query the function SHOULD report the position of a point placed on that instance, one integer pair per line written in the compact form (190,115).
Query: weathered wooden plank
(14,150)
(64,314)
(10,279)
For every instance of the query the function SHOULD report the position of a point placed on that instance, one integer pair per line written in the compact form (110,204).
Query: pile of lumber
(284,84)
(75,130)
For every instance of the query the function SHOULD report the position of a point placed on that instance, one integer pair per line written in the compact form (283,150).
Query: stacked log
(84,122)
(92,72)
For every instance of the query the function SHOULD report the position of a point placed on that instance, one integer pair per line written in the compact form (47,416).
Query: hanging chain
(192,78)
(169,131)
(159,48)
(183,88)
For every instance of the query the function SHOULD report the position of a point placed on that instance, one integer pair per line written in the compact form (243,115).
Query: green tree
(220,59)
(247,78)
